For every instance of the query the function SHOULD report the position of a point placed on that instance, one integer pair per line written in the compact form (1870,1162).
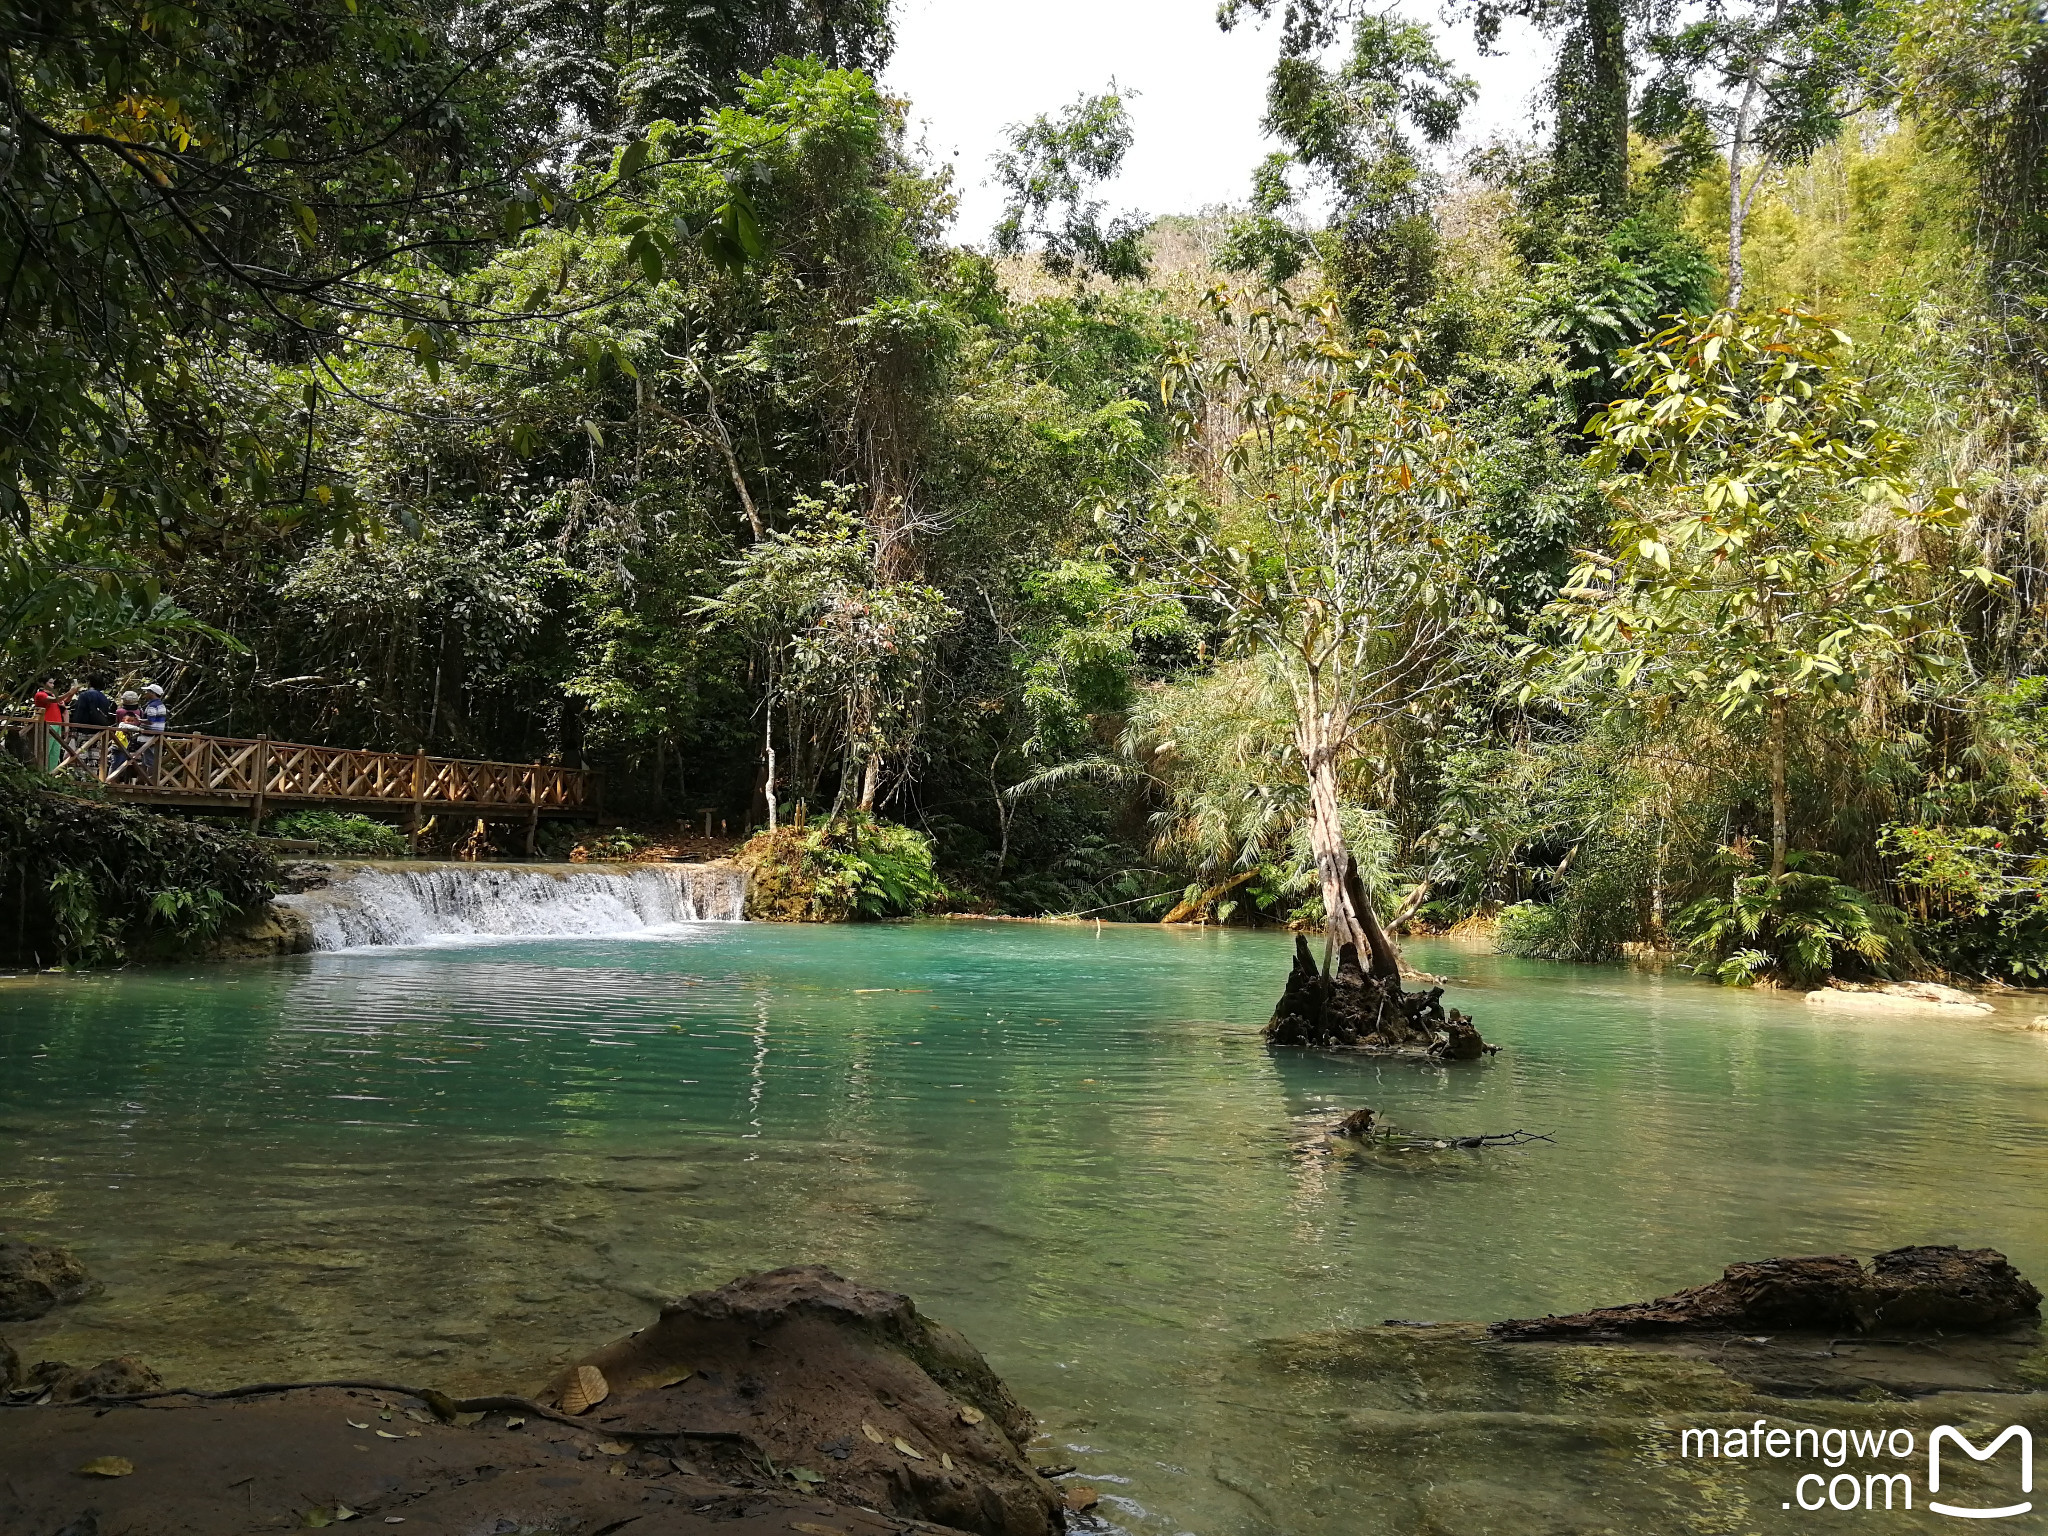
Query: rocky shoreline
(789,1400)
(795,1400)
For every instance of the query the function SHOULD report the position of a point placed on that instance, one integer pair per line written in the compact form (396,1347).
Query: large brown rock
(843,1388)
(33,1279)
(1951,1290)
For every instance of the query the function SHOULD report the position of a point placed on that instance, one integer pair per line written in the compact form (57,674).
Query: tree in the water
(1338,550)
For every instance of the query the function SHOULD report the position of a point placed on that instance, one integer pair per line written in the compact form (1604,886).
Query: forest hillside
(1631,534)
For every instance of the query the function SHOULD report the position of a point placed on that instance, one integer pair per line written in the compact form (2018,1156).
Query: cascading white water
(369,904)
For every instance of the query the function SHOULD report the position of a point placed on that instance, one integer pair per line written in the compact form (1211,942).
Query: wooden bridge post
(532,806)
(419,793)
(262,783)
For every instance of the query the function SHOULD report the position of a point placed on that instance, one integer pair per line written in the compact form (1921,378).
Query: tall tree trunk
(1607,34)
(1780,819)
(1349,913)
(1591,92)
(870,782)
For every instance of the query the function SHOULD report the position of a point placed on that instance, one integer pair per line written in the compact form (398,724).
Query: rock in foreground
(33,1279)
(848,1389)
(787,1401)
(1951,1290)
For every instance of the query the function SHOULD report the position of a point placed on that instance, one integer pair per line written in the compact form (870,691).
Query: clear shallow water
(457,1165)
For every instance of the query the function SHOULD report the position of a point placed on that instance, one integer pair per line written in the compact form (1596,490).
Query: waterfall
(365,904)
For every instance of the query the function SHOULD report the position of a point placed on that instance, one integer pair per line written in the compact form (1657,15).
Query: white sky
(1195,93)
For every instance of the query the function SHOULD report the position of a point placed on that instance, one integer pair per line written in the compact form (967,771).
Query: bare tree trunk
(1738,199)
(1349,913)
(870,782)
(1779,812)
(768,744)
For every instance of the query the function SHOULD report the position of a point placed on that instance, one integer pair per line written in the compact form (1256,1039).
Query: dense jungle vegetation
(1633,533)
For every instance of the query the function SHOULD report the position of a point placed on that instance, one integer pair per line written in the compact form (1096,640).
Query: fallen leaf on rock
(467,1419)
(612,1447)
(385,1434)
(873,1433)
(969,1414)
(587,1388)
(675,1381)
(514,1423)
(682,1466)
(107,1466)
(352,1424)
(945,1461)
(618,1469)
(805,1475)
(412,1434)
(419,1416)
(908,1449)
(1081,1500)
(385,1415)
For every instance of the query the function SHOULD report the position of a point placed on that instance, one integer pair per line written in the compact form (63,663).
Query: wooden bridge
(229,773)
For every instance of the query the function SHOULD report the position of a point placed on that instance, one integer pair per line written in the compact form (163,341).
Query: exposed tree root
(1355,1010)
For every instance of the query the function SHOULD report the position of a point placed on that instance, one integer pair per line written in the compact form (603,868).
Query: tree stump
(1356,1010)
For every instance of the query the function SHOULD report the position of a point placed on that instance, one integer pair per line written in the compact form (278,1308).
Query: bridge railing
(242,770)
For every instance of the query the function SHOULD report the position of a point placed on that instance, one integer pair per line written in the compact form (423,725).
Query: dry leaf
(412,1434)
(945,1461)
(464,1420)
(873,1433)
(1081,1500)
(969,1414)
(107,1466)
(618,1469)
(352,1424)
(418,1416)
(514,1423)
(587,1388)
(612,1447)
(675,1381)
(385,1434)
(805,1476)
(385,1416)
(908,1449)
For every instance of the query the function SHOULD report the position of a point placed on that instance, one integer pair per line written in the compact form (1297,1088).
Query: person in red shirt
(51,704)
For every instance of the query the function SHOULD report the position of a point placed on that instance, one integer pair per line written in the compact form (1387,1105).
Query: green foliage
(1047,171)
(1348,132)
(835,871)
(1978,897)
(85,883)
(1594,909)
(339,835)
(1798,928)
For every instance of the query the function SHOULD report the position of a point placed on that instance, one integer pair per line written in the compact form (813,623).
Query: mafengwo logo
(1946,1433)
(1890,1488)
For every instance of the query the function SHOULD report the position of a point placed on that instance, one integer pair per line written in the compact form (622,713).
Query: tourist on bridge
(156,716)
(127,732)
(91,713)
(50,702)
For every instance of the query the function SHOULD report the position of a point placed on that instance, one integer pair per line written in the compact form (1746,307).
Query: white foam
(373,906)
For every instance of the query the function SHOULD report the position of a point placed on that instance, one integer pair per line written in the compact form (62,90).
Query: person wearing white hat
(156,717)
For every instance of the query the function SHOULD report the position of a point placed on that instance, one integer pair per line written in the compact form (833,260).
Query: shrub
(614,847)
(1799,928)
(340,836)
(1975,897)
(838,870)
(85,881)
